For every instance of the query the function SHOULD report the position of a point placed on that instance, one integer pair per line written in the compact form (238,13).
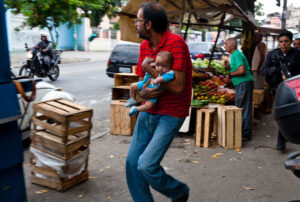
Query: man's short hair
(287,34)
(157,14)
(233,42)
(297,39)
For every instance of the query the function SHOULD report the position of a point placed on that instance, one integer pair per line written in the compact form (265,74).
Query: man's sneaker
(130,102)
(133,110)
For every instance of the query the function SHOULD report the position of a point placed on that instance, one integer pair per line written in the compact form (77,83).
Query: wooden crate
(120,93)
(204,127)
(120,122)
(51,144)
(230,127)
(125,79)
(258,97)
(67,118)
(48,177)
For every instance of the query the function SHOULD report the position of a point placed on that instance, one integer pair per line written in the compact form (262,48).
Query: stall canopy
(201,13)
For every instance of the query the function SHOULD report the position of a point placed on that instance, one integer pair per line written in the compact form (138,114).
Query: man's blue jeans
(243,99)
(153,134)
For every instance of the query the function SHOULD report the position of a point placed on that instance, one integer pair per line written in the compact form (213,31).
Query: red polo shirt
(169,103)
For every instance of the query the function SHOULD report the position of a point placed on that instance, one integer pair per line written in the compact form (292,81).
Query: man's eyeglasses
(137,21)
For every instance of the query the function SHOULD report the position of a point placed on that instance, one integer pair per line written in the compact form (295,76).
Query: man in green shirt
(243,84)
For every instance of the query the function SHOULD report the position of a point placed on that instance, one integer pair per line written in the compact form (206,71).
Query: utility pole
(75,38)
(283,16)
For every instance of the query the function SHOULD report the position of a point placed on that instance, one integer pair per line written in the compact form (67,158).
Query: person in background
(46,47)
(242,81)
(155,129)
(272,69)
(258,59)
(296,43)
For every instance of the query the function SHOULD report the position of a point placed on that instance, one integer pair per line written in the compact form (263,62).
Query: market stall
(210,88)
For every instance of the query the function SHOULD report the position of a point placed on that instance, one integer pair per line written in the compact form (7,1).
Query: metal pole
(181,16)
(283,16)
(11,156)
(5,76)
(214,47)
(75,38)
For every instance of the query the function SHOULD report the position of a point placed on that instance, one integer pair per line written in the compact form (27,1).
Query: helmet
(44,34)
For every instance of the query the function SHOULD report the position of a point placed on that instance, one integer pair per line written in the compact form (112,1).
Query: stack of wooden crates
(120,122)
(61,133)
(224,122)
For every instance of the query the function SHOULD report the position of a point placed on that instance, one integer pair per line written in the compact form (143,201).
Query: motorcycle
(34,65)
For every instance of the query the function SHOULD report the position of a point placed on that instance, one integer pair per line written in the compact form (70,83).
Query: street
(91,87)
(256,173)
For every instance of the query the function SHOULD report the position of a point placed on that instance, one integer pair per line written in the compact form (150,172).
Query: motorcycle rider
(279,62)
(46,47)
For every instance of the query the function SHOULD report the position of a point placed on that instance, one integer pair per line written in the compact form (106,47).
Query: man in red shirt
(156,128)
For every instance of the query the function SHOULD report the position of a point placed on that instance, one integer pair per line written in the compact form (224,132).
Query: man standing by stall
(243,85)
(155,129)
(277,63)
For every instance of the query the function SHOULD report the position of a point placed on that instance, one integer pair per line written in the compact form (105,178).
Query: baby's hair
(167,54)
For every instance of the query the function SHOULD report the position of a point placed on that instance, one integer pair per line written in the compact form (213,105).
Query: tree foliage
(108,7)
(258,9)
(51,14)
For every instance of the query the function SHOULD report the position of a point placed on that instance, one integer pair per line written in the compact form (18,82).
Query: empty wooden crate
(230,127)
(120,122)
(62,118)
(125,79)
(204,127)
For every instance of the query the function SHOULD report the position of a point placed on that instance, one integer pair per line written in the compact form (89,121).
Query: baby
(163,65)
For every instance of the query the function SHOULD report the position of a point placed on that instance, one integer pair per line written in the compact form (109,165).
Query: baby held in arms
(163,65)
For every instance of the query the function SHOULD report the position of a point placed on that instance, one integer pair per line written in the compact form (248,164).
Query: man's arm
(262,50)
(239,72)
(177,85)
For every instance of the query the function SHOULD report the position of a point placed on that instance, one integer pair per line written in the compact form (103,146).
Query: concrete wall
(16,39)
(65,40)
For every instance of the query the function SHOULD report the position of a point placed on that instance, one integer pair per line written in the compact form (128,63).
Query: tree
(258,9)
(108,7)
(51,14)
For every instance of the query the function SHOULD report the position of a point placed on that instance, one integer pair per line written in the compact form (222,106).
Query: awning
(203,13)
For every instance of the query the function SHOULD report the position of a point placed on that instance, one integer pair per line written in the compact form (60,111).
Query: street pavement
(255,173)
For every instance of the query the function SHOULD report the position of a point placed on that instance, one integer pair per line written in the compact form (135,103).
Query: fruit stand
(210,84)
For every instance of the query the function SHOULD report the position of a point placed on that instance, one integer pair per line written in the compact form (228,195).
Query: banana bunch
(247,42)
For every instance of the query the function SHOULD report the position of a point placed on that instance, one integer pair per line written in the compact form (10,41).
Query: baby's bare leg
(133,90)
(148,104)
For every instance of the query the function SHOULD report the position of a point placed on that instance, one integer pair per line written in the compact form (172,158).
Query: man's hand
(226,64)
(283,76)
(148,66)
(147,62)
(148,93)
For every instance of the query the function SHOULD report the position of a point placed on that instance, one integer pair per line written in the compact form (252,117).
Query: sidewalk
(256,173)
(67,57)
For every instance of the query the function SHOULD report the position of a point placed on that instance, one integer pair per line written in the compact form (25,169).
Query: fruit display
(216,64)
(199,103)
(212,91)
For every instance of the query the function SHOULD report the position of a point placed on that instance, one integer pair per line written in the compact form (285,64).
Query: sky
(270,5)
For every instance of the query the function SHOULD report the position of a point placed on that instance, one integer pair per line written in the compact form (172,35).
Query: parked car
(44,91)
(203,50)
(122,58)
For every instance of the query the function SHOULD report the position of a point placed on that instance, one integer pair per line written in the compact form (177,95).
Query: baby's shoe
(133,110)
(130,102)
